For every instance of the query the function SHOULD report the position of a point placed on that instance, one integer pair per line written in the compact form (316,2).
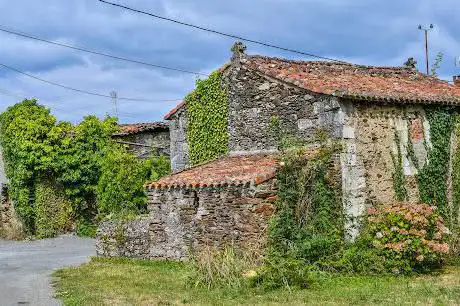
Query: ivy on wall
(432,177)
(61,173)
(454,213)
(207,119)
(398,174)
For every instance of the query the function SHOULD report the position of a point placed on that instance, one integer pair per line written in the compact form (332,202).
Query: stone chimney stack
(238,50)
(457,80)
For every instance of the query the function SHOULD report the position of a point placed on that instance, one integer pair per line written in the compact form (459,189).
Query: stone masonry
(254,99)
(183,220)
(145,139)
(373,112)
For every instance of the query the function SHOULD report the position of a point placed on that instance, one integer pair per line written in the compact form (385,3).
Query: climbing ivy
(432,177)
(60,173)
(207,119)
(398,174)
(308,224)
(453,215)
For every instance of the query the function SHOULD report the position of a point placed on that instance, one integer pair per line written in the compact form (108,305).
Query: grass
(134,282)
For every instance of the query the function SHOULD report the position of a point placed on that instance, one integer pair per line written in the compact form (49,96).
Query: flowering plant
(409,236)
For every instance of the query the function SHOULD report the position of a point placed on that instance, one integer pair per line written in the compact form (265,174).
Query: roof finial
(238,50)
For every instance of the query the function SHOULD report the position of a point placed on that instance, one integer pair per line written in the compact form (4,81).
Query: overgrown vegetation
(398,173)
(432,177)
(308,224)
(54,212)
(409,237)
(222,268)
(207,119)
(63,175)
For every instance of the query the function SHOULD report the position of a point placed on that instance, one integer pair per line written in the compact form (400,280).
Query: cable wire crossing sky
(73,54)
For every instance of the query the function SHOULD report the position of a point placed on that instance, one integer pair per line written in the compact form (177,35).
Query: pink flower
(371,211)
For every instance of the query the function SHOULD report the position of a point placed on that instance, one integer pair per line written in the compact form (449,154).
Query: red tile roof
(395,84)
(134,128)
(229,170)
(174,110)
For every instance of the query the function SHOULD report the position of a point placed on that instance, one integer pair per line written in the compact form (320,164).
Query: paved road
(25,267)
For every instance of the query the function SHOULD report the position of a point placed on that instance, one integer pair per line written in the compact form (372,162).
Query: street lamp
(426,29)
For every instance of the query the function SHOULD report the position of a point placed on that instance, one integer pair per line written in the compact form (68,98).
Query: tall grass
(226,267)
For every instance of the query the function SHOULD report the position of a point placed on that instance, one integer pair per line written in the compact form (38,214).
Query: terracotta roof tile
(396,84)
(174,110)
(229,170)
(134,128)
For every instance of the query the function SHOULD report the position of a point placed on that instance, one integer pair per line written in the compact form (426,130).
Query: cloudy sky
(373,32)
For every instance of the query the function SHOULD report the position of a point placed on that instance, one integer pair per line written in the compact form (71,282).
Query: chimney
(457,80)
(238,51)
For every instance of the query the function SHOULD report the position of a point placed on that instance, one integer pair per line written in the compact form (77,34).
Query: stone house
(375,112)
(143,139)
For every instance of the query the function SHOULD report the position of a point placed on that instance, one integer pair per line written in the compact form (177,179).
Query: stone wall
(179,147)
(10,226)
(185,220)
(124,238)
(157,141)
(254,99)
(369,142)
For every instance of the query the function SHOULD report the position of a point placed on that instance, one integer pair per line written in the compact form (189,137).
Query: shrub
(86,228)
(409,236)
(287,272)
(120,186)
(214,268)
(54,213)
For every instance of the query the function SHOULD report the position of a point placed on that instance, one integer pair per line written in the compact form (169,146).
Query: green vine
(454,211)
(432,177)
(61,173)
(207,119)
(410,148)
(398,174)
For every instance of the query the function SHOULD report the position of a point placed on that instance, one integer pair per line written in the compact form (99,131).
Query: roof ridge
(296,61)
(139,123)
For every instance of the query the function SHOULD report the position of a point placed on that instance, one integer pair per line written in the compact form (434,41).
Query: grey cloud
(362,31)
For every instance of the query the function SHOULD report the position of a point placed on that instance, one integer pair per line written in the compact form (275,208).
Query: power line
(18,96)
(81,90)
(99,53)
(218,32)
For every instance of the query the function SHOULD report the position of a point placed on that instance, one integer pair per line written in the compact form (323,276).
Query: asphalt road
(26,266)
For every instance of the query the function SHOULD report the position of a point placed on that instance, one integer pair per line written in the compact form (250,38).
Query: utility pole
(114,96)
(426,29)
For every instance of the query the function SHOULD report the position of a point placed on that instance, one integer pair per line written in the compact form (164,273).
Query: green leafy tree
(121,185)
(25,129)
(79,161)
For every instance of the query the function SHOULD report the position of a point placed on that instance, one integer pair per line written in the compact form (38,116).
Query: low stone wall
(10,226)
(117,238)
(184,220)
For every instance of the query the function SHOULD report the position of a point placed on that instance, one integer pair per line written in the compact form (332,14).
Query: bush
(359,257)
(120,186)
(214,268)
(86,228)
(287,272)
(410,237)
(53,212)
